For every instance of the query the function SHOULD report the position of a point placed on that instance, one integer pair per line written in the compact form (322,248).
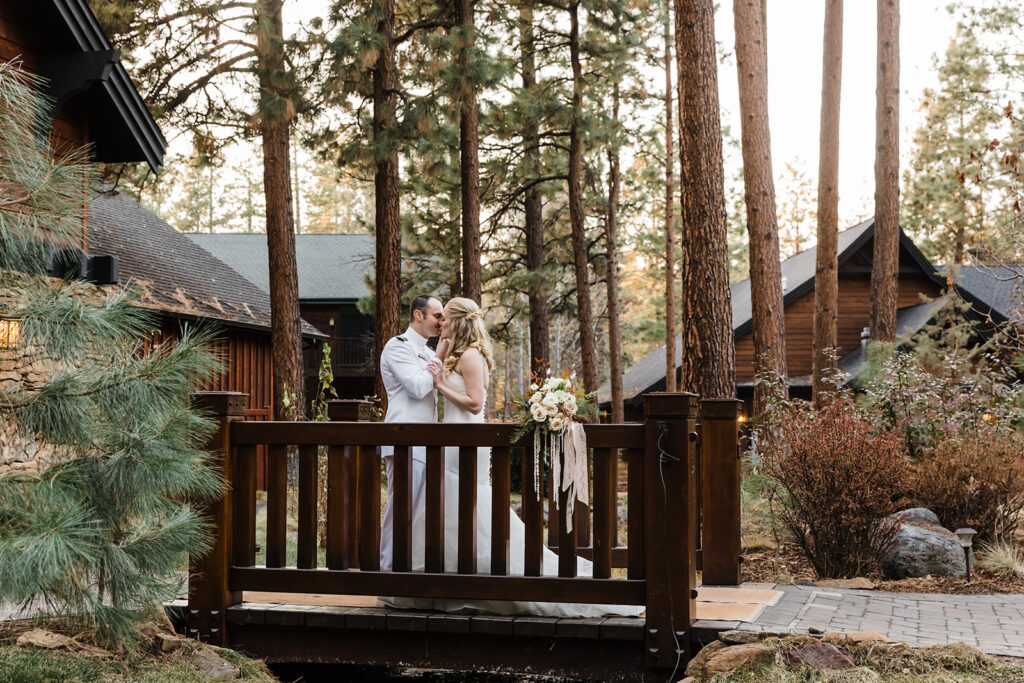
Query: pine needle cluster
(102,534)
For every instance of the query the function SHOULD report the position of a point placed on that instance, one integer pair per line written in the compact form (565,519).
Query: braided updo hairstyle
(467,331)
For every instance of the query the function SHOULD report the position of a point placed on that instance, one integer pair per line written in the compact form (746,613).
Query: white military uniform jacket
(409,385)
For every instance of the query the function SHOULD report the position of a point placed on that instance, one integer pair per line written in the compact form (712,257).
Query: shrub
(973,478)
(838,478)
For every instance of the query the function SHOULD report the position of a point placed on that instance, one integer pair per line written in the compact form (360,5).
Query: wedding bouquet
(551,411)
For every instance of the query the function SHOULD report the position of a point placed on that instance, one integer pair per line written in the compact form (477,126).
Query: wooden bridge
(682,483)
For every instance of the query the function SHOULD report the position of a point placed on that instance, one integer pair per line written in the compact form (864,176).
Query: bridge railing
(661,522)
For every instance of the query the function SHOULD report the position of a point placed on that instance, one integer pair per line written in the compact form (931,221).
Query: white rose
(533,387)
(557,423)
(536,398)
(538,412)
(550,401)
(570,405)
(561,396)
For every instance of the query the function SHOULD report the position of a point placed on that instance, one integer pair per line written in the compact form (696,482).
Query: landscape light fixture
(10,328)
(965,535)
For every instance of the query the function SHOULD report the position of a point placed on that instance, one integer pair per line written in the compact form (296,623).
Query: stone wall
(19,369)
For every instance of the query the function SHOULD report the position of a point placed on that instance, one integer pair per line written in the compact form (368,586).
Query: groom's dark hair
(420,304)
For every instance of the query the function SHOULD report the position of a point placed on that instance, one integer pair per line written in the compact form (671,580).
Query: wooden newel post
(670,526)
(343,489)
(208,594)
(720,486)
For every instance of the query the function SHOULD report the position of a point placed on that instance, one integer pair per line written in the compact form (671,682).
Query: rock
(825,656)
(919,551)
(865,636)
(168,642)
(739,637)
(814,629)
(858,583)
(881,651)
(696,665)
(733,657)
(212,666)
(917,516)
(42,638)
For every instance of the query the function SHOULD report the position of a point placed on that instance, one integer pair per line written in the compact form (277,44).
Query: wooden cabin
(122,244)
(921,289)
(333,275)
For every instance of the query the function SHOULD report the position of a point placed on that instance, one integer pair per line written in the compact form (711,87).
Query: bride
(462,379)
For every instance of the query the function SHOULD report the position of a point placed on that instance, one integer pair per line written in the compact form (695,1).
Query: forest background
(194,62)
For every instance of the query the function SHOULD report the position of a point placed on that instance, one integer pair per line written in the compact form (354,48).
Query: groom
(405,368)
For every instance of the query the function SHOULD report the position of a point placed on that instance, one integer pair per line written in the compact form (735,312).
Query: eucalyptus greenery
(101,535)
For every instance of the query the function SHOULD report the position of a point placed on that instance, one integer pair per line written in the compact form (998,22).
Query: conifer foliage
(100,534)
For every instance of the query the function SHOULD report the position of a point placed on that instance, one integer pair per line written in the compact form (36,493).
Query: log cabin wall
(21,39)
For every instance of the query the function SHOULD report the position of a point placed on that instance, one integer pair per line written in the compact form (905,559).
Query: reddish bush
(838,478)
(974,478)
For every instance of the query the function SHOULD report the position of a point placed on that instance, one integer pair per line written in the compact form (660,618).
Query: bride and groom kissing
(414,375)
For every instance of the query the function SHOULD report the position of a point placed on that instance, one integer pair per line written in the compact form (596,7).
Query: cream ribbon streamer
(574,472)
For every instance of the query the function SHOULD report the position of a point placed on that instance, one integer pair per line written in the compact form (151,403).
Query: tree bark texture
(612,277)
(826,269)
(670,238)
(276,113)
(535,255)
(762,226)
(469,144)
(708,357)
(884,272)
(389,241)
(579,238)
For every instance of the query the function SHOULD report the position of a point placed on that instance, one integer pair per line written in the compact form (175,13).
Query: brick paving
(992,623)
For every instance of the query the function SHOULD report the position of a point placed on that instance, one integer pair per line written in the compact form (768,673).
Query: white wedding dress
(517,536)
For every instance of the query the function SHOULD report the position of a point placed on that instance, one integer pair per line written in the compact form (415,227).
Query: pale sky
(795,29)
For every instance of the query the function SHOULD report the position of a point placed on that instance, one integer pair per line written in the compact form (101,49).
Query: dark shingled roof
(648,374)
(995,288)
(171,273)
(331,267)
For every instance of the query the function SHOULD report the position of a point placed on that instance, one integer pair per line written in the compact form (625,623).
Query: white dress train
(517,536)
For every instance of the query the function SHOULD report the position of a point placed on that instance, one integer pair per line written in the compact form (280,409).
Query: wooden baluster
(306,557)
(343,517)
(566,538)
(244,496)
(277,506)
(604,511)
(720,483)
(209,593)
(369,508)
(635,514)
(669,528)
(500,489)
(467,509)
(339,525)
(401,548)
(533,513)
(434,544)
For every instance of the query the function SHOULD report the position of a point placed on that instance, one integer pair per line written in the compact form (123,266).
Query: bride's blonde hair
(467,331)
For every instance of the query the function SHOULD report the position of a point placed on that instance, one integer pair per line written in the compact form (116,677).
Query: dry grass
(1001,558)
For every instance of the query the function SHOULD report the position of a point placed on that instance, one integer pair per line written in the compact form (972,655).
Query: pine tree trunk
(285,331)
(579,238)
(389,256)
(612,276)
(826,269)
(670,238)
(535,255)
(884,273)
(470,166)
(708,350)
(762,227)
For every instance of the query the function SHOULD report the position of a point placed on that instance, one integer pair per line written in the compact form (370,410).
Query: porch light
(10,328)
(966,535)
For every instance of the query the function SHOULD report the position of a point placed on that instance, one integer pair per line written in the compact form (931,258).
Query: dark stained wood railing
(661,520)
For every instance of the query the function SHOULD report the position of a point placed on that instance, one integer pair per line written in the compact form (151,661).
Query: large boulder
(922,547)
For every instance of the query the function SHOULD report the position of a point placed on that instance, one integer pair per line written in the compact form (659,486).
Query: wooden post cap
(348,410)
(670,404)
(720,408)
